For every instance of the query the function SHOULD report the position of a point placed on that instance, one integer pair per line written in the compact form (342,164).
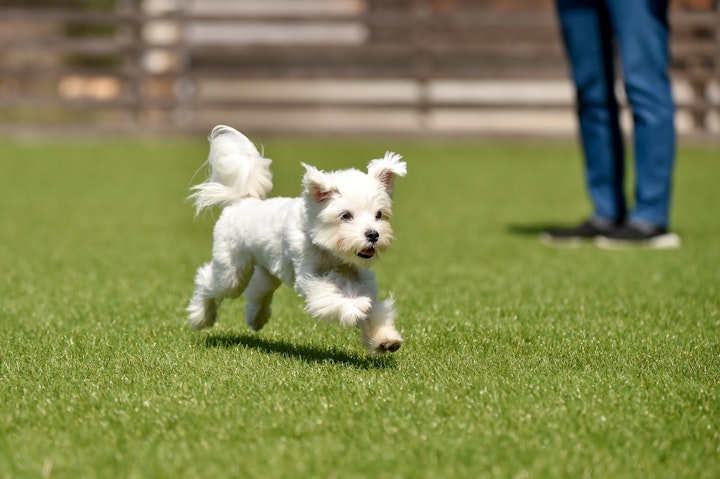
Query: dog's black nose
(372,235)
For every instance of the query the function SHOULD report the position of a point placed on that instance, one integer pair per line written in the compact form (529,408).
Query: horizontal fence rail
(369,69)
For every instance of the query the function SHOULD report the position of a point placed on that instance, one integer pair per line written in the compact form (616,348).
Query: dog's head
(348,211)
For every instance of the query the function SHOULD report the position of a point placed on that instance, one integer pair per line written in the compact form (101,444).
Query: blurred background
(423,67)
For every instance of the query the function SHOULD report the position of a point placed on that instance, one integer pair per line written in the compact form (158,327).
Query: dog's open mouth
(367,253)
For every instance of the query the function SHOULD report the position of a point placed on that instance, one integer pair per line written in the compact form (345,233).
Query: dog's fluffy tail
(237,171)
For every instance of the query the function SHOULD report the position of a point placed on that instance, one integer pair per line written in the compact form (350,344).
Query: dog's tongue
(367,253)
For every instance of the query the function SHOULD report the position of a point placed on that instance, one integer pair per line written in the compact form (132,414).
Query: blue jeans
(595,32)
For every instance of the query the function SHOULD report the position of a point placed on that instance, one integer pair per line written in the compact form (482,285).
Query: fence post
(184,88)
(422,60)
(132,59)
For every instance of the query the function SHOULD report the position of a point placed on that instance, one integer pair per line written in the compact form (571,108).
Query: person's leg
(588,41)
(641,28)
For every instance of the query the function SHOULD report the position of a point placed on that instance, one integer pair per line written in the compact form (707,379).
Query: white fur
(237,171)
(322,243)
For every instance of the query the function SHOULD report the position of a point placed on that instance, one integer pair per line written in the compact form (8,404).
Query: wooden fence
(374,70)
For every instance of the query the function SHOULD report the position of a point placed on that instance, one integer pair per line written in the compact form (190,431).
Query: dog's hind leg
(214,282)
(259,294)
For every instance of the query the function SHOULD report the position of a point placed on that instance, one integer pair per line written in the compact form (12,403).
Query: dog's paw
(355,310)
(202,313)
(384,340)
(389,346)
(256,316)
(363,304)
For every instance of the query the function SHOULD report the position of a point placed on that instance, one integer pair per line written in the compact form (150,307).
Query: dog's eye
(379,215)
(346,216)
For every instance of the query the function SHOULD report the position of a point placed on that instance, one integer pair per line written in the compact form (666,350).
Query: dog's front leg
(378,330)
(331,296)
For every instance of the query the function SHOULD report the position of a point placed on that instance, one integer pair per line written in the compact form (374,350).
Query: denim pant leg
(641,28)
(587,37)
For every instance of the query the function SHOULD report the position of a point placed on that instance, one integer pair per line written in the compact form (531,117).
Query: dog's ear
(318,184)
(385,170)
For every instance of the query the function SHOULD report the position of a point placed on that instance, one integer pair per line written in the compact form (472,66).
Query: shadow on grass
(307,354)
(531,229)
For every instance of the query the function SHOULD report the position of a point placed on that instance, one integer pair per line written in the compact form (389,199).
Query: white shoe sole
(665,241)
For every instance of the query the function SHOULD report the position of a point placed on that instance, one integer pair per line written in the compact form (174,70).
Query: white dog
(321,244)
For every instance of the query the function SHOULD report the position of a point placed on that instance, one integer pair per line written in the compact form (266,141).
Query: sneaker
(642,235)
(583,233)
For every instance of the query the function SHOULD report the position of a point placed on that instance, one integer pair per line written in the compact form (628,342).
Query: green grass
(520,360)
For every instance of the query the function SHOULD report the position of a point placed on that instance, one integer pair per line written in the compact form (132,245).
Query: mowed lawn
(520,360)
